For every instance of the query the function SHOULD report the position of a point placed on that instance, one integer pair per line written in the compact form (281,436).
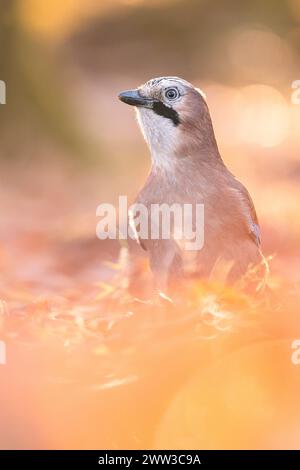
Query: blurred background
(65,62)
(68,144)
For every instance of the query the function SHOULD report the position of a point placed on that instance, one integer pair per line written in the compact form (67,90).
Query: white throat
(161,136)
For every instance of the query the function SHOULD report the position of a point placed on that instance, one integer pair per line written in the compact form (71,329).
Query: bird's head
(174,119)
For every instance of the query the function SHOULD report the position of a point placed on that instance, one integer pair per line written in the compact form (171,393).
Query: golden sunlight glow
(259,55)
(265,118)
(56,19)
(255,114)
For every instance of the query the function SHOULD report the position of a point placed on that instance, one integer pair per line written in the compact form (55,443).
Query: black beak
(134,98)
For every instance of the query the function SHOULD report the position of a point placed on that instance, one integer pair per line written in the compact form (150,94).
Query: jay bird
(187,168)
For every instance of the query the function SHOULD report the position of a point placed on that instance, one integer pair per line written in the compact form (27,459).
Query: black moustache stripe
(162,110)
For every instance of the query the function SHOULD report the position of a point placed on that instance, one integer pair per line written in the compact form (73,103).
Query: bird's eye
(172,94)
